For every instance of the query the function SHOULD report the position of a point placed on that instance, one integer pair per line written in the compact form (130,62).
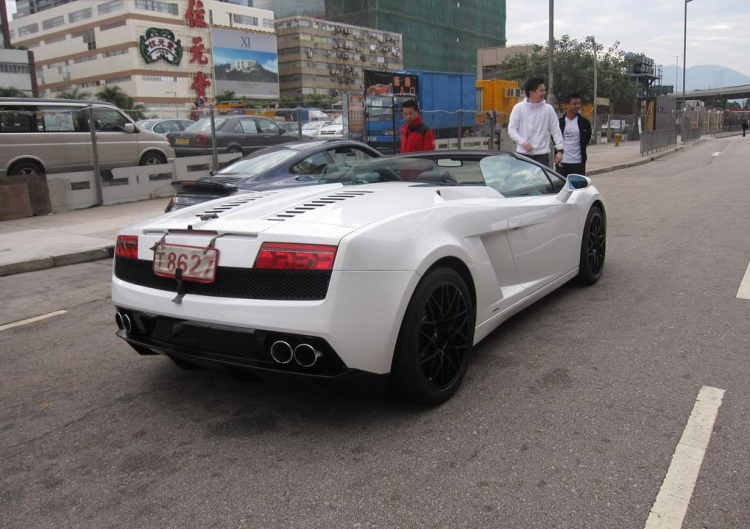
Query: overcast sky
(718,31)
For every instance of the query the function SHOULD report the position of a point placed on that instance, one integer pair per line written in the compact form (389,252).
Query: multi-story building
(159,52)
(17,70)
(318,57)
(489,59)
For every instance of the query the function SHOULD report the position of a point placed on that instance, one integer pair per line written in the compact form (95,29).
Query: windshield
(315,125)
(256,164)
(204,125)
(338,121)
(441,171)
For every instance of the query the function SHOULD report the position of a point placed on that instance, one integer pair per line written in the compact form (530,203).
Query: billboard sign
(245,63)
(160,44)
(391,84)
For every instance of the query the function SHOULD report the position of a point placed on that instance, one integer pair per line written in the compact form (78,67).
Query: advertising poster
(245,63)
(391,84)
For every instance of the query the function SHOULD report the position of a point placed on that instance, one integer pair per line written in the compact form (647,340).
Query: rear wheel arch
(16,167)
(152,153)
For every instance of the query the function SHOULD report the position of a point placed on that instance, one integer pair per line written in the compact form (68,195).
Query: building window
(53,22)
(118,80)
(84,59)
(83,14)
(113,25)
(159,7)
(244,19)
(160,78)
(91,84)
(123,51)
(13,68)
(56,39)
(110,7)
(28,30)
(267,23)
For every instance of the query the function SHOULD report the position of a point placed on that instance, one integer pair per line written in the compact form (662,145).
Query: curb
(43,263)
(645,160)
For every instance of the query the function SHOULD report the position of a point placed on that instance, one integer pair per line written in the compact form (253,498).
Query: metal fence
(691,134)
(657,140)
(725,132)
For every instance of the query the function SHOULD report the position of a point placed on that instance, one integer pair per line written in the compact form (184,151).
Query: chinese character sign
(197,51)
(200,84)
(196,14)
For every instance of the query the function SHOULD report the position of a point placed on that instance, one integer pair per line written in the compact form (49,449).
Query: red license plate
(197,264)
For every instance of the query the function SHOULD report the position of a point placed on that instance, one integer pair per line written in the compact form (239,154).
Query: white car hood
(330,208)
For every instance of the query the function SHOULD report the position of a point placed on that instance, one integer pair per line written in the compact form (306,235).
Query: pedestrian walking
(576,131)
(744,127)
(415,135)
(533,122)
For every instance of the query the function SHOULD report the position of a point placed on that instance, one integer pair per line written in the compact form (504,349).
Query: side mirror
(129,127)
(282,131)
(573,183)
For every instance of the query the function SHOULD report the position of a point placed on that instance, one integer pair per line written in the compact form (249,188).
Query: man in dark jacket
(415,135)
(576,132)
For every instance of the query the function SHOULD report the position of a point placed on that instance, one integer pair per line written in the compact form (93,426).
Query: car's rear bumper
(359,318)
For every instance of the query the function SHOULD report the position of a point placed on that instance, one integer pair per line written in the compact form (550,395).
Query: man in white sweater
(533,122)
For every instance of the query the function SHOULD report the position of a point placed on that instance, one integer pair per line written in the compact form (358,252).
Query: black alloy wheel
(593,247)
(436,339)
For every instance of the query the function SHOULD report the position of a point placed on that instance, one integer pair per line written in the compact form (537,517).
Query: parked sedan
(242,134)
(289,165)
(163,126)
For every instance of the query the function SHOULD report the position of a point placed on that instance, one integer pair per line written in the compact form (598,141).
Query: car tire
(235,149)
(153,158)
(435,340)
(26,167)
(593,247)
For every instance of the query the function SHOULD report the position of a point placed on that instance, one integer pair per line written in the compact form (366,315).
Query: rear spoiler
(203,187)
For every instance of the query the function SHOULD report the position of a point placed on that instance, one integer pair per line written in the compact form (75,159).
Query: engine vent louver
(317,203)
(239,201)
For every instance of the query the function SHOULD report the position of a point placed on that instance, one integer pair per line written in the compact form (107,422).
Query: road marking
(716,154)
(673,499)
(744,290)
(32,320)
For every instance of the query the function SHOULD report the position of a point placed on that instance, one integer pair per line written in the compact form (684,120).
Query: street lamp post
(550,81)
(684,63)
(596,81)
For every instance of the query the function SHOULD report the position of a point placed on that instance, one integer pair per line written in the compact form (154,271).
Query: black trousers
(541,158)
(572,168)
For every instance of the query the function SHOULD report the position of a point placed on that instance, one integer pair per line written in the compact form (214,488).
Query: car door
(271,133)
(543,232)
(66,145)
(116,147)
(246,133)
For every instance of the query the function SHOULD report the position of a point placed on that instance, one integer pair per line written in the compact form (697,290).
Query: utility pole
(684,66)
(550,81)
(596,81)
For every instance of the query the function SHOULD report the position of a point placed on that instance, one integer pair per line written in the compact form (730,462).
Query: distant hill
(259,75)
(704,76)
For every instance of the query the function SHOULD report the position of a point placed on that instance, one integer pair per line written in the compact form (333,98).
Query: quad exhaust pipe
(123,322)
(304,354)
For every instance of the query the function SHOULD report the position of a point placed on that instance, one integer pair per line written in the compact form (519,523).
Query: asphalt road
(568,418)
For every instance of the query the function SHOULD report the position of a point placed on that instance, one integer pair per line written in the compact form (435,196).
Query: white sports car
(396,266)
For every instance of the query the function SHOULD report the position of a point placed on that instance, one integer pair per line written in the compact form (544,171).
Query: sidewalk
(60,239)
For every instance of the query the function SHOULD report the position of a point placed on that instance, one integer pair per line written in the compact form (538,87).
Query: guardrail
(657,140)
(725,132)
(691,134)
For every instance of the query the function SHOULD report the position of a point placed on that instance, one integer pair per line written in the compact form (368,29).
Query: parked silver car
(39,136)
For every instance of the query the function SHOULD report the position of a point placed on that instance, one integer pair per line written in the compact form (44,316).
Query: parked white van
(44,136)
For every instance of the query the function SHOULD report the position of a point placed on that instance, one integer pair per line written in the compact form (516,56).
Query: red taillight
(202,140)
(127,246)
(282,256)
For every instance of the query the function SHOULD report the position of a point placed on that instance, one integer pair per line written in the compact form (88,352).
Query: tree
(574,71)
(11,91)
(113,94)
(226,95)
(74,93)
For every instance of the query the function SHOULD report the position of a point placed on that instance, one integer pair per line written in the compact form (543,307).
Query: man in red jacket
(415,135)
